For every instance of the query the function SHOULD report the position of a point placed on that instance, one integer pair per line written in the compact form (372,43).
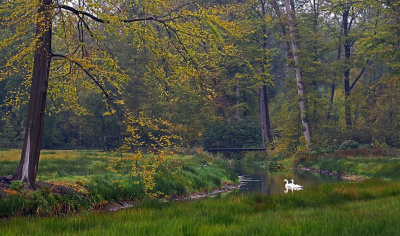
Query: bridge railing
(234,149)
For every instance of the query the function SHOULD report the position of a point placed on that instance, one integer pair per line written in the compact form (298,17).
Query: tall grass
(86,172)
(194,173)
(377,167)
(367,208)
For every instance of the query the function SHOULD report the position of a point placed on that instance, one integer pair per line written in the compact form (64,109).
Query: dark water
(272,182)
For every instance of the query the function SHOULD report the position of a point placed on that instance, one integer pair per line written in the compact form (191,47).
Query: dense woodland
(283,74)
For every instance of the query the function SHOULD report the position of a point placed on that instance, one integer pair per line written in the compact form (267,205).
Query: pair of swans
(292,185)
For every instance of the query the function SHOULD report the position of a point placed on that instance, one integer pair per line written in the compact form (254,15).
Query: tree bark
(347,53)
(262,117)
(28,165)
(265,118)
(300,85)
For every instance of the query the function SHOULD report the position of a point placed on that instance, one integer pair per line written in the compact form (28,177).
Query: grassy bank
(367,208)
(375,167)
(85,171)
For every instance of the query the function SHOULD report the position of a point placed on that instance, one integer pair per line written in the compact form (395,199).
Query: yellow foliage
(148,135)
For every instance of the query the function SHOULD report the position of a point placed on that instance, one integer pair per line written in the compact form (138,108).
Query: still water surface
(271,181)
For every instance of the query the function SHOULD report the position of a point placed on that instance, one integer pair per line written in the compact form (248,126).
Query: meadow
(371,207)
(387,167)
(367,208)
(86,172)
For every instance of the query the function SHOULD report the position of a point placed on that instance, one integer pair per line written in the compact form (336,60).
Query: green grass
(86,171)
(377,167)
(81,165)
(367,208)
(60,165)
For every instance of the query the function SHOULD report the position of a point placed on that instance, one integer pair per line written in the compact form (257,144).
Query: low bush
(349,144)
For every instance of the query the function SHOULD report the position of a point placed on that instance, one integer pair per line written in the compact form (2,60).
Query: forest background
(226,79)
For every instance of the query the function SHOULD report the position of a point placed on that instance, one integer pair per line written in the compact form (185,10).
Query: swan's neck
(292,181)
(287,182)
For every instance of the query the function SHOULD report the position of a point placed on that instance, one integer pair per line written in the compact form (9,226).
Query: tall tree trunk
(347,53)
(267,118)
(237,102)
(315,7)
(263,90)
(333,86)
(300,86)
(28,165)
(262,117)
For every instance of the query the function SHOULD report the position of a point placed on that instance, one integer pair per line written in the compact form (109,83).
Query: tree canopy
(143,75)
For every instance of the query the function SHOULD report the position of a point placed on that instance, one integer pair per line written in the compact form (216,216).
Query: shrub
(17,185)
(349,144)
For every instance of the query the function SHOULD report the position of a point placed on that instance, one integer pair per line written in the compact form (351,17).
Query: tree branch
(79,12)
(358,77)
(95,18)
(351,22)
(109,99)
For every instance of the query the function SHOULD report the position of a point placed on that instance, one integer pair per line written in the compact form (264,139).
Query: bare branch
(79,12)
(95,18)
(357,78)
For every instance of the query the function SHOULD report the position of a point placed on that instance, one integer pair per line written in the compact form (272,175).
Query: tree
(82,54)
(300,85)
(28,165)
(264,108)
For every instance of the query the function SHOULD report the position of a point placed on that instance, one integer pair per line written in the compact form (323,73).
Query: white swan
(287,185)
(295,185)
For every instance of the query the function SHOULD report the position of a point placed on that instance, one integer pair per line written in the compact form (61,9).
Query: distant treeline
(234,86)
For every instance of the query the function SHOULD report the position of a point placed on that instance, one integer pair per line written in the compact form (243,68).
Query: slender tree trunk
(333,86)
(267,118)
(263,90)
(300,85)
(262,117)
(237,110)
(315,7)
(347,53)
(28,165)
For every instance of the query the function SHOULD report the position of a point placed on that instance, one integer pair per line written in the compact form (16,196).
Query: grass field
(376,167)
(59,164)
(367,208)
(371,207)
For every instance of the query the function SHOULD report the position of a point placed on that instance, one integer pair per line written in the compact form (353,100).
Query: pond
(272,181)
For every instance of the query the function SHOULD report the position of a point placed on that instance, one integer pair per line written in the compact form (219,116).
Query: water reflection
(291,189)
(272,182)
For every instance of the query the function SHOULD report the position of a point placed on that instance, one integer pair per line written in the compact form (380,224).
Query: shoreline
(341,175)
(121,205)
